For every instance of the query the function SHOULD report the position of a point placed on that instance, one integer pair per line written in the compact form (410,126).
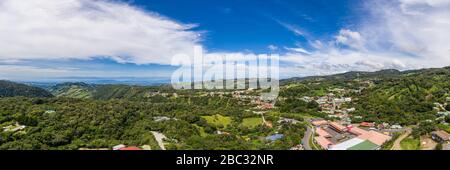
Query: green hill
(73,90)
(104,92)
(11,89)
(391,96)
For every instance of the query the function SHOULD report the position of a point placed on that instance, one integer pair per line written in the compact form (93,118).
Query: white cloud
(82,29)
(415,28)
(316,44)
(350,38)
(403,34)
(272,47)
(434,3)
(297,50)
(293,28)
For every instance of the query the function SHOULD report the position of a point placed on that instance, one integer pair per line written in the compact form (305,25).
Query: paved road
(305,140)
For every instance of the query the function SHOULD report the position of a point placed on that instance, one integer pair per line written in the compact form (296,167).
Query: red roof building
(130,148)
(319,122)
(367,124)
(338,127)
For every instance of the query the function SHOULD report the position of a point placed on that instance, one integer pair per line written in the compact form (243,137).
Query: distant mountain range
(389,73)
(98,88)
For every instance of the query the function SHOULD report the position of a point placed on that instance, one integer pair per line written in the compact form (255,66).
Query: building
(375,137)
(130,148)
(14,128)
(440,136)
(338,127)
(356,144)
(396,127)
(267,106)
(323,142)
(118,147)
(275,137)
(347,144)
(334,136)
(367,124)
(365,145)
(322,133)
(319,122)
(287,120)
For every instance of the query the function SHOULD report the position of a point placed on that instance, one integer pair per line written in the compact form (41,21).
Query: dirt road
(396,145)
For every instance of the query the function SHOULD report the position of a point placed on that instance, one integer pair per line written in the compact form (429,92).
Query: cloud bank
(83,29)
(403,34)
(398,34)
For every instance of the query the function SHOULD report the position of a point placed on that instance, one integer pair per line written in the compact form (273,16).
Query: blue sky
(236,25)
(43,39)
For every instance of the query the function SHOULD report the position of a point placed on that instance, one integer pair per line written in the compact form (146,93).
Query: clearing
(410,143)
(252,122)
(218,120)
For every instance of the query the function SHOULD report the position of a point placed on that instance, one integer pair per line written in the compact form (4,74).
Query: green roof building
(366,145)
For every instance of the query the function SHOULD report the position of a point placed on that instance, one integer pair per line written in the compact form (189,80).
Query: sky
(42,39)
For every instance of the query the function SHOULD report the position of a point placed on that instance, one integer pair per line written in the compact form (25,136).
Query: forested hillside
(11,89)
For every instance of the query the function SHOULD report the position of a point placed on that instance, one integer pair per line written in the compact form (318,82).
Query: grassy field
(218,120)
(201,130)
(74,92)
(410,144)
(252,122)
(444,127)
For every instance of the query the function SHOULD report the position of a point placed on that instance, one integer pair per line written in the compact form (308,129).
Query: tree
(423,129)
(313,105)
(439,146)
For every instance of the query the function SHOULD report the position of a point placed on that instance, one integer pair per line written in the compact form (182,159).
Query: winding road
(159,138)
(306,138)
(397,145)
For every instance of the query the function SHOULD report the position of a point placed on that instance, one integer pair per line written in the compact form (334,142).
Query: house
(118,147)
(287,120)
(348,99)
(14,128)
(396,127)
(275,137)
(351,110)
(367,124)
(440,136)
(446,113)
(267,106)
(319,122)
